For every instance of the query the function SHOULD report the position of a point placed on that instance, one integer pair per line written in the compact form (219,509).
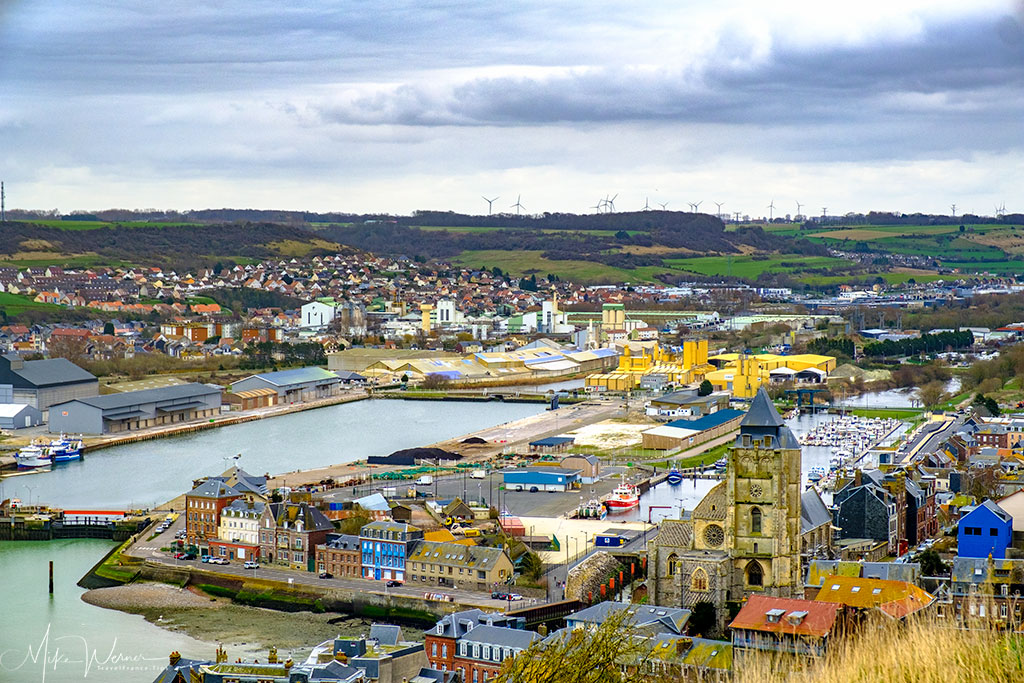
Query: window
(433,647)
(699,580)
(444,651)
(993,531)
(672,559)
(755,575)
(755,521)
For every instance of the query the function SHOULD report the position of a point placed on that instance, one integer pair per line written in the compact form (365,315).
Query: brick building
(340,555)
(203,506)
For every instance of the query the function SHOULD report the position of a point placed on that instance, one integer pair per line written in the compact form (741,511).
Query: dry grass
(921,652)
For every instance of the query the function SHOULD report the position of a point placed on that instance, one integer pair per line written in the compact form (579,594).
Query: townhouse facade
(290,532)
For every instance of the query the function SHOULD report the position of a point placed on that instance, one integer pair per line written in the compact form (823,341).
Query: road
(929,437)
(150,549)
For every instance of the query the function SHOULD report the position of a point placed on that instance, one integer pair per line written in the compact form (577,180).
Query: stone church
(745,536)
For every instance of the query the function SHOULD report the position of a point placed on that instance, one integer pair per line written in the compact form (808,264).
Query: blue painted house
(985,530)
(385,545)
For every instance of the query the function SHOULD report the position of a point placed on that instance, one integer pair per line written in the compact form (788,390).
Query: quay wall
(282,596)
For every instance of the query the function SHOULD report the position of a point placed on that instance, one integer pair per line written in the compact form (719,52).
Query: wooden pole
(51,577)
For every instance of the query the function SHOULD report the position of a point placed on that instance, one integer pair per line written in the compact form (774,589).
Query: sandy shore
(242,629)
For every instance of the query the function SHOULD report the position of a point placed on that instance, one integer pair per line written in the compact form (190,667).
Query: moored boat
(32,457)
(594,509)
(623,497)
(65,449)
(674,477)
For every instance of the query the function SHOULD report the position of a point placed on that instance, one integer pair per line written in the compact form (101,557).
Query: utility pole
(3,204)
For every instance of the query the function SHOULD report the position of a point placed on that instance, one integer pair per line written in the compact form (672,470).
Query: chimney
(175,657)
(858,478)
(272,656)
(222,655)
(288,664)
(683,644)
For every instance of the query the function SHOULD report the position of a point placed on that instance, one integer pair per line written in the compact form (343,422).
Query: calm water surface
(62,638)
(151,472)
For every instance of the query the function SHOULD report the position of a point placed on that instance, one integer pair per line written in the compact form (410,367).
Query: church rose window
(713,535)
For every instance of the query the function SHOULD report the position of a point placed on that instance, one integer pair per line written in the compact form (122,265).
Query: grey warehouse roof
(133,398)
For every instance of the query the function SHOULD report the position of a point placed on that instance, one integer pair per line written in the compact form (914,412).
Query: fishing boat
(32,457)
(65,449)
(721,464)
(623,497)
(594,509)
(674,477)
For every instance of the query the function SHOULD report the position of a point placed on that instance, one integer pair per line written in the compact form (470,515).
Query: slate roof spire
(762,412)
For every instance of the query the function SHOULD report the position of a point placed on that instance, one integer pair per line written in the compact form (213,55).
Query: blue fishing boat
(65,449)
(674,477)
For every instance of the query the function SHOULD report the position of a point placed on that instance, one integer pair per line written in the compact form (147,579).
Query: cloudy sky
(906,105)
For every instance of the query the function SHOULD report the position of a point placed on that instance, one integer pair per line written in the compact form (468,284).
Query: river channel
(124,647)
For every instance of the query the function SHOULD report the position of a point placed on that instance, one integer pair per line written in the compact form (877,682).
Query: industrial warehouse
(113,413)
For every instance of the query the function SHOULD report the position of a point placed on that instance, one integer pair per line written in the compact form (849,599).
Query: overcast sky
(906,105)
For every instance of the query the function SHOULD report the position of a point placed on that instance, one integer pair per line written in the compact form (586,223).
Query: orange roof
(897,599)
(795,617)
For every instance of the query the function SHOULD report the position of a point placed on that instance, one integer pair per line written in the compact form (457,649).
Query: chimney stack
(175,657)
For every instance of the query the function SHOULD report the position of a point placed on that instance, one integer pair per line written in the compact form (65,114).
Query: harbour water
(60,639)
(148,473)
(65,639)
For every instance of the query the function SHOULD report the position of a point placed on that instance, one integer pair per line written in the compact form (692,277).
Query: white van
(478,474)
(425,480)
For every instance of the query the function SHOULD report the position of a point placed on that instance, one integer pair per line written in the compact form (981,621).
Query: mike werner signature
(71,651)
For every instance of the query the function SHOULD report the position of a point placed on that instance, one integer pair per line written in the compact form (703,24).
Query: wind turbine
(663,205)
(610,204)
(719,205)
(824,212)
(597,207)
(798,207)
(517,206)
(771,211)
(953,209)
(647,204)
(490,202)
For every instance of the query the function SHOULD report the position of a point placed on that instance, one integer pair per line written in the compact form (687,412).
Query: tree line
(926,343)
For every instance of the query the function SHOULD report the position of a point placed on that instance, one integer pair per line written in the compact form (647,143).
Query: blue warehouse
(542,479)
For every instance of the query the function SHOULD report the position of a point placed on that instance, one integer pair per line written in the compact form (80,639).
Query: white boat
(32,457)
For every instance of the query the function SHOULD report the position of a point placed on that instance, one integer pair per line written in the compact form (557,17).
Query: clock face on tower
(756,491)
(713,535)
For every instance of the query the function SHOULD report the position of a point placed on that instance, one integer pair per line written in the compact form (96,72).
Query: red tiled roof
(819,621)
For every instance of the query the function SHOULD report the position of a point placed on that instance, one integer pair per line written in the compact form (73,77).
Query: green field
(12,304)
(522,262)
(747,266)
(999,267)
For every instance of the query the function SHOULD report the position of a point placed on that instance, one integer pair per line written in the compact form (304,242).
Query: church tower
(762,525)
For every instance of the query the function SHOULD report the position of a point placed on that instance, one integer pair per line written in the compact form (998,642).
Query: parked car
(515,596)
(326,575)
(393,583)
(218,560)
(499,595)
(251,565)
(190,556)
(205,558)
(180,556)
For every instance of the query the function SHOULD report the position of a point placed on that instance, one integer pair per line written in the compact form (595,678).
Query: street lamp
(30,491)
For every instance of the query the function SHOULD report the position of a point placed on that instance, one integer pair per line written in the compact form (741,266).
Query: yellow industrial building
(742,375)
(688,364)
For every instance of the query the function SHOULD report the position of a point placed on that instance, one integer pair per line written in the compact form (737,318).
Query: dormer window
(440,629)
